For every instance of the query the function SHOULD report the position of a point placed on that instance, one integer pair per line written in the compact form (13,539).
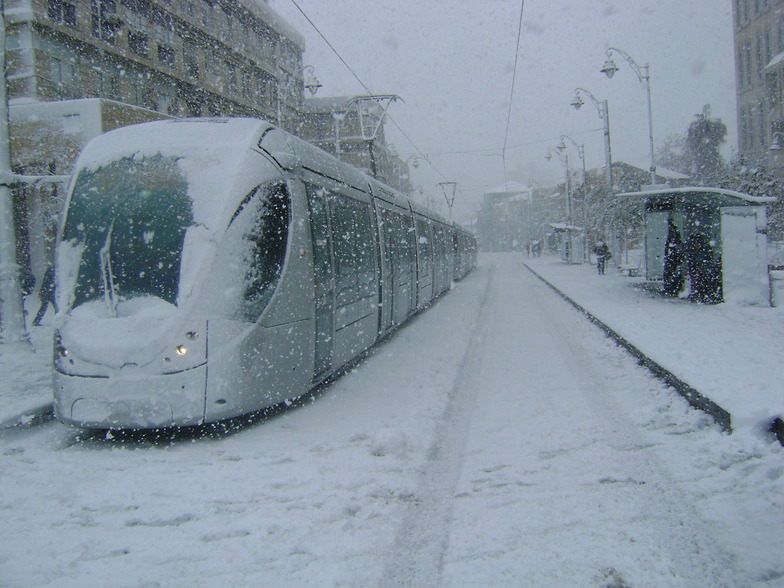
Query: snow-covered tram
(209,268)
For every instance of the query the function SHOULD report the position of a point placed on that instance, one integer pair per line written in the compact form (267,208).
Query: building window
(213,65)
(246,38)
(208,13)
(247,85)
(105,22)
(108,84)
(742,131)
(138,43)
(167,55)
(768,46)
(190,56)
(63,12)
(772,84)
(760,56)
(741,72)
(62,73)
(231,78)
(781,36)
(777,134)
(72,124)
(138,39)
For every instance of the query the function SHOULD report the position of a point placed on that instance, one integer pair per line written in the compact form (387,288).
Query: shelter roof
(719,195)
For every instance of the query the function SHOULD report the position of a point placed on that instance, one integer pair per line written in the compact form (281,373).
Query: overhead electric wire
(348,67)
(511,91)
(496,153)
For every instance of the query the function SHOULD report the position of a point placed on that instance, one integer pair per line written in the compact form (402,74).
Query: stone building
(503,221)
(136,60)
(759,73)
(176,57)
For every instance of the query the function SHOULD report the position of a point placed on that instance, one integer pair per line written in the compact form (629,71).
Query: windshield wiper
(107,279)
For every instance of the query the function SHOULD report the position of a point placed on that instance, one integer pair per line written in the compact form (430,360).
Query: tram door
(323,279)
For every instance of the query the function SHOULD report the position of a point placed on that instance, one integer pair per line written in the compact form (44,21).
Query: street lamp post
(644,75)
(411,161)
(604,113)
(564,158)
(310,82)
(581,154)
(580,151)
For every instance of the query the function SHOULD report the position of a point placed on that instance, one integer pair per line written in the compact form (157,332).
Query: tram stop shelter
(569,241)
(708,242)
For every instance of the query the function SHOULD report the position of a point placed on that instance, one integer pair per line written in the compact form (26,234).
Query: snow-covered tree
(672,155)
(702,147)
(755,179)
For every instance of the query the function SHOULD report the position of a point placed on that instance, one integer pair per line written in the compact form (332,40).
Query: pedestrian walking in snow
(602,255)
(46,295)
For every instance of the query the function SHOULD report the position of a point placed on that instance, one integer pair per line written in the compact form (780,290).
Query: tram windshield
(129,219)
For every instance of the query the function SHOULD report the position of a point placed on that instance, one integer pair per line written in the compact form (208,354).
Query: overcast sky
(452,63)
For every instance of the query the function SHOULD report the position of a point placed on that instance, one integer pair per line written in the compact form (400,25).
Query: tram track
(418,554)
(579,427)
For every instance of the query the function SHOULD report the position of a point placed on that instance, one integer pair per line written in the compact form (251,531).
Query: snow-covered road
(499,440)
(540,474)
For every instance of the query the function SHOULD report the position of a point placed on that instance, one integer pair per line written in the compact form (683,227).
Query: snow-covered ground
(499,439)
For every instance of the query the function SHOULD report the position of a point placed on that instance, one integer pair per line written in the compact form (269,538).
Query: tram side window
(440,246)
(424,246)
(404,235)
(354,253)
(399,241)
(264,219)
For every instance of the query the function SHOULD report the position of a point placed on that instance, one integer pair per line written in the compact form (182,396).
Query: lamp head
(609,68)
(312,84)
(577,102)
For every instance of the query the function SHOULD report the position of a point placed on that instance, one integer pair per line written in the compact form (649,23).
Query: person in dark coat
(704,270)
(602,255)
(46,295)
(674,277)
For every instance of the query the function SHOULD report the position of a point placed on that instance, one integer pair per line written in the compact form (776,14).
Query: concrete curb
(692,396)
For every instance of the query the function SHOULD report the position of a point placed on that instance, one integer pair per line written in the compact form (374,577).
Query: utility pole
(13,333)
(449,189)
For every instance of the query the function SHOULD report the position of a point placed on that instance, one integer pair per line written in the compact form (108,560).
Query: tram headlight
(183,349)
(186,349)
